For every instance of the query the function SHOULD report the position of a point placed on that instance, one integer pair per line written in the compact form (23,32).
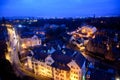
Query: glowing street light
(19,26)
(23,46)
(117,79)
(7,56)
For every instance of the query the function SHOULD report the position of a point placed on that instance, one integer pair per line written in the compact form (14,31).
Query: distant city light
(67,55)
(19,25)
(83,77)
(26,64)
(117,78)
(34,20)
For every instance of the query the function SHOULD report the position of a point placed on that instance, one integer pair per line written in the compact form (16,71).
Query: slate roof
(61,66)
(79,59)
(26,35)
(40,52)
(40,56)
(61,60)
(61,57)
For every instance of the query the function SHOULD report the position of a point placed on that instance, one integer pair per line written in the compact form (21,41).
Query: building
(77,68)
(81,36)
(84,31)
(29,40)
(99,71)
(40,62)
(64,64)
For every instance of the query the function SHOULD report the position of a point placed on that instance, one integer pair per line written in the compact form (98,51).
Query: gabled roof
(56,44)
(39,48)
(60,66)
(61,57)
(40,56)
(26,35)
(79,59)
(40,52)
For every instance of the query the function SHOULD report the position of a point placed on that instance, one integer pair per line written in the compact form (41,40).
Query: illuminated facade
(85,31)
(82,35)
(59,74)
(75,72)
(67,66)
(32,41)
(29,61)
(40,68)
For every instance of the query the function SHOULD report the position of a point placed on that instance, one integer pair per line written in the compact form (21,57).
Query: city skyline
(59,8)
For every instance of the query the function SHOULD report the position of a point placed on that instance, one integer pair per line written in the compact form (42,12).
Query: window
(49,61)
(42,68)
(77,68)
(61,79)
(62,75)
(36,67)
(48,68)
(76,77)
(72,67)
(48,72)
(57,77)
(62,71)
(35,38)
(57,73)
(42,65)
(72,71)
(75,72)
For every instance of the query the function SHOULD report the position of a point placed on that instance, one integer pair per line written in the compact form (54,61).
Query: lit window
(72,67)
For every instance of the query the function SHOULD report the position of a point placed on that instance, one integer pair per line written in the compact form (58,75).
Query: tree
(6,70)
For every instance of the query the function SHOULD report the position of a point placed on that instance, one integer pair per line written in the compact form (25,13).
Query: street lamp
(117,78)
(23,46)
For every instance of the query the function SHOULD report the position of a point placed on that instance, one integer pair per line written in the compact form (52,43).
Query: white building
(29,41)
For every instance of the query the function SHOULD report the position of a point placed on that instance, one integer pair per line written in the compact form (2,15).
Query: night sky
(59,8)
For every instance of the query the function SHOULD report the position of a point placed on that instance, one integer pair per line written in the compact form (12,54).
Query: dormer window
(63,52)
(72,67)
(49,61)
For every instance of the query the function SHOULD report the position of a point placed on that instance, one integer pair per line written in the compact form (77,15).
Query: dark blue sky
(59,8)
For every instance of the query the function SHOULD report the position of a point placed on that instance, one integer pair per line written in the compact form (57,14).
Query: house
(39,62)
(27,40)
(64,64)
(77,67)
(60,67)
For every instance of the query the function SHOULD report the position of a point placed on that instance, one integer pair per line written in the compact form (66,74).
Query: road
(13,52)
(13,45)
